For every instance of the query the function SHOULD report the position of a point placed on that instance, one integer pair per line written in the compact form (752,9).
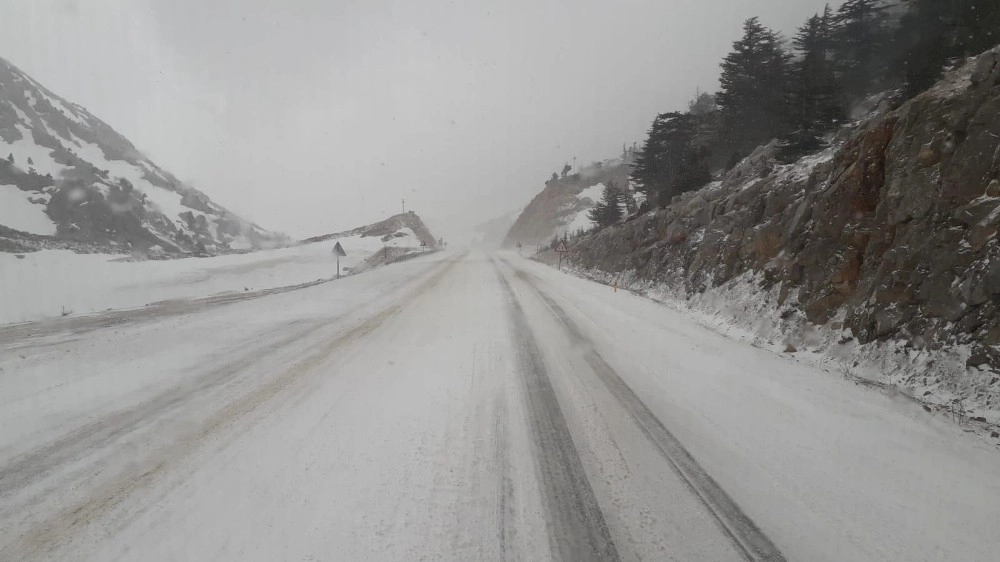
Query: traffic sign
(338,251)
(561,250)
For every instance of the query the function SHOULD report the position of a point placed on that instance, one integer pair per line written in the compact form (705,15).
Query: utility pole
(574,164)
(404,205)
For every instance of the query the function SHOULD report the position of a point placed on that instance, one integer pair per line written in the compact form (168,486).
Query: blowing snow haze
(314,116)
(700,281)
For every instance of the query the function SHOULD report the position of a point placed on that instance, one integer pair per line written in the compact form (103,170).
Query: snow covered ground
(594,193)
(830,470)
(580,220)
(51,282)
(18,211)
(463,407)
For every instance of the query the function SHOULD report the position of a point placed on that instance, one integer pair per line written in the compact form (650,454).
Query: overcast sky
(309,116)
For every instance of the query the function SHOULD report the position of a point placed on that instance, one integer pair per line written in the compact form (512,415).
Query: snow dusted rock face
(889,237)
(563,204)
(68,180)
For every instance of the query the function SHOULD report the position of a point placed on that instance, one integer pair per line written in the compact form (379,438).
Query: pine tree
(755,85)
(702,104)
(860,42)
(30,162)
(608,211)
(694,172)
(10,158)
(933,33)
(658,164)
(816,96)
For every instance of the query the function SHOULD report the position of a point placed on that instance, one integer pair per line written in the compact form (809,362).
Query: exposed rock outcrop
(891,234)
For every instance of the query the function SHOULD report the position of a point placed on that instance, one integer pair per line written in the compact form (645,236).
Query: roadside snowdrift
(53,282)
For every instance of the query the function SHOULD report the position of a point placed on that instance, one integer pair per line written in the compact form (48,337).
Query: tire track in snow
(749,540)
(579,531)
(12,335)
(45,536)
(35,465)
(505,493)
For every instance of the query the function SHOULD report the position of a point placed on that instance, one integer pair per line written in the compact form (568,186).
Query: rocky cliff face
(889,236)
(67,179)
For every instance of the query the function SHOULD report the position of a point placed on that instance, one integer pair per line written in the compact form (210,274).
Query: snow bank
(51,282)
(593,193)
(579,221)
(743,311)
(829,470)
(25,148)
(19,213)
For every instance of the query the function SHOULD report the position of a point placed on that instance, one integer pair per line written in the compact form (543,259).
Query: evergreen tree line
(801,91)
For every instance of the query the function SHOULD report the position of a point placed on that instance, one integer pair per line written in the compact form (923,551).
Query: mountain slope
(385,230)
(67,179)
(562,205)
(396,238)
(887,242)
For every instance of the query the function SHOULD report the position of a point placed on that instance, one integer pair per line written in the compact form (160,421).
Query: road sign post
(561,250)
(338,250)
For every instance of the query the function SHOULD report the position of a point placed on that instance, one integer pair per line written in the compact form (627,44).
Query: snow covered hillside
(563,205)
(68,180)
(409,222)
(52,282)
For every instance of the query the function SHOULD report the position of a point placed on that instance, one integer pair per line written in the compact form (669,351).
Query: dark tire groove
(579,530)
(748,539)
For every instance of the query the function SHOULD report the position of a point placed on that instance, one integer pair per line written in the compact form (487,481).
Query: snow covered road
(461,407)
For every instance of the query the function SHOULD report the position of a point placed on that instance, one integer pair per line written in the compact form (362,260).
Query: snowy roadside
(744,312)
(53,283)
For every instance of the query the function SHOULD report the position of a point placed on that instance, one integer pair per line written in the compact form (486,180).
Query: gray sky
(309,116)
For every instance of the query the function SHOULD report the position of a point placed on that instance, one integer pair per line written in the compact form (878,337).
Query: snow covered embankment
(878,257)
(51,283)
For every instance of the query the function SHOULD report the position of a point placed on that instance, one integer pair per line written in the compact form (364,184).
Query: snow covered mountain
(68,180)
